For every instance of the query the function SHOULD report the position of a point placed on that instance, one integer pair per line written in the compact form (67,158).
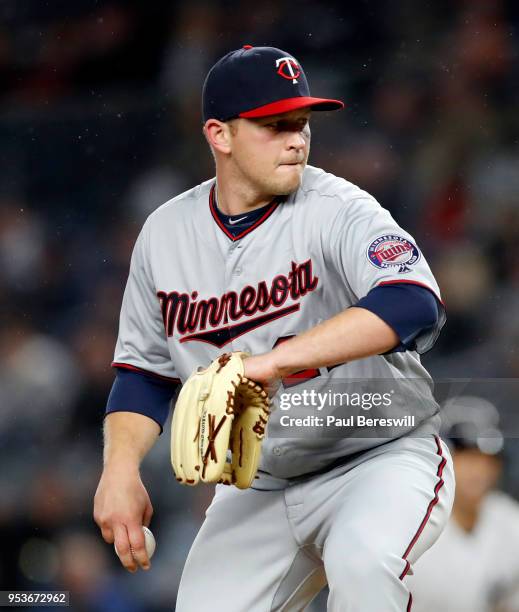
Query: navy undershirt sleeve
(139,392)
(414,312)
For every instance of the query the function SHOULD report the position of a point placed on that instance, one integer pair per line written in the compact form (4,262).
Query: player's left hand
(263,369)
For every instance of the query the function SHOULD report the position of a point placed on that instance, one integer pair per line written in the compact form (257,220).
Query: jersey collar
(214,212)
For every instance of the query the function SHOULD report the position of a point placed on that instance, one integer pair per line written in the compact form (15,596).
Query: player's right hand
(121,506)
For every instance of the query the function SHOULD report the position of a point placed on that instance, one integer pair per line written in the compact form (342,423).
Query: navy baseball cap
(258,82)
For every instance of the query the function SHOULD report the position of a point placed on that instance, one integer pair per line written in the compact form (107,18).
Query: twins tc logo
(392,251)
(288,68)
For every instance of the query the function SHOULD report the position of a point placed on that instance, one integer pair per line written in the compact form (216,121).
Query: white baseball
(149,543)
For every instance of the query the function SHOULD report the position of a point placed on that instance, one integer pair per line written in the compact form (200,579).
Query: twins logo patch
(392,251)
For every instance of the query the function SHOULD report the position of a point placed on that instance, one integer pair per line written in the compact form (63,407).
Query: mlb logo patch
(391,251)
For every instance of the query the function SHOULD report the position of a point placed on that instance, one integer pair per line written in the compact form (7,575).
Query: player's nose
(296,140)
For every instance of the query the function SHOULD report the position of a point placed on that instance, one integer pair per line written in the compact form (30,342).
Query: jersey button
(238,271)
(277,451)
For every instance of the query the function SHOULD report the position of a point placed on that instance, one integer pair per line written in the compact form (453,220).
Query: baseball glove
(219,409)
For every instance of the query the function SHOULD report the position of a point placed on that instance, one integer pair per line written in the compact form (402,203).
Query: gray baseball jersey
(194,292)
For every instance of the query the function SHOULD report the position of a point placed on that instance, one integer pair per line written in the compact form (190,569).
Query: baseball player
(309,275)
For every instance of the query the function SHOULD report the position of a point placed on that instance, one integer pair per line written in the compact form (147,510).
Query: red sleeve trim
(411,282)
(127,366)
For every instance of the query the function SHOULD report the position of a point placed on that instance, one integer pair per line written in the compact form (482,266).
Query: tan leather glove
(217,410)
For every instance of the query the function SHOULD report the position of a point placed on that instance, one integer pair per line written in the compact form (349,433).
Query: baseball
(149,542)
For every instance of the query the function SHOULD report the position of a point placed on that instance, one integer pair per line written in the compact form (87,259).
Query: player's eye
(288,126)
(298,126)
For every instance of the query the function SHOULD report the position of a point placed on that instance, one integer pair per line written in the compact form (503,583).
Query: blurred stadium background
(100,123)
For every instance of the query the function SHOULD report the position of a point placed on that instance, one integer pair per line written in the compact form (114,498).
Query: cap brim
(290,104)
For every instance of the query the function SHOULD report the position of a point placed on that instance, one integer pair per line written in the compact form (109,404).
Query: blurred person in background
(474,565)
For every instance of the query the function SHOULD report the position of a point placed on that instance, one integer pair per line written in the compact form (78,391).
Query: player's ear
(218,135)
